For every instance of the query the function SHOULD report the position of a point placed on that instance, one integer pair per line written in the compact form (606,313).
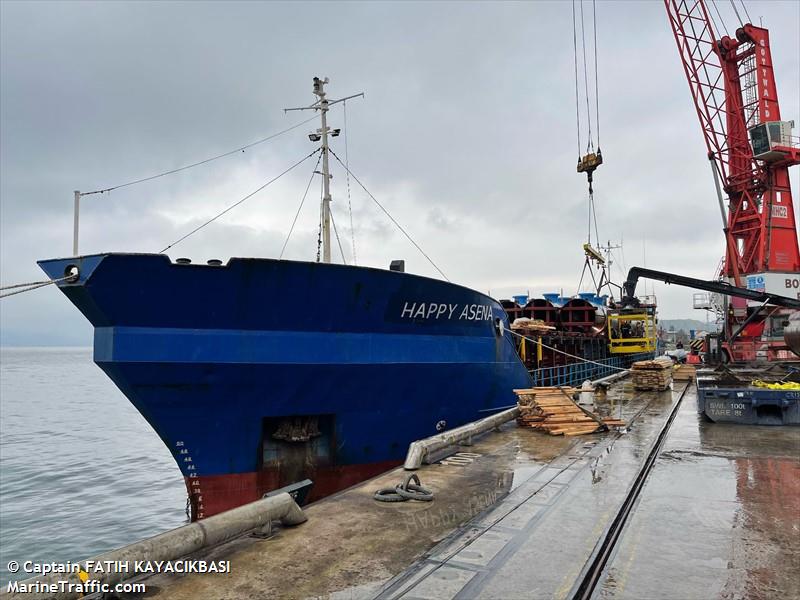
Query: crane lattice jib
(733,87)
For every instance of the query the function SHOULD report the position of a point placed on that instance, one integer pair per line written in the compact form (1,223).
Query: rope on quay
(33,285)
(586,360)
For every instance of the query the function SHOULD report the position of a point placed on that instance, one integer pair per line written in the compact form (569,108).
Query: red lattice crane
(751,149)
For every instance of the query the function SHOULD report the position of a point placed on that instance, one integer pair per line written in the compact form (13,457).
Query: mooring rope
(33,285)
(594,362)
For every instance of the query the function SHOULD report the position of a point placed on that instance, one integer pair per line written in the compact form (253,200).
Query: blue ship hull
(260,373)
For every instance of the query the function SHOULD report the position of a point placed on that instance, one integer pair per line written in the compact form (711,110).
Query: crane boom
(716,287)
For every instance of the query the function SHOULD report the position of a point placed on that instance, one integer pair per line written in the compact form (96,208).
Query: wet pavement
(520,513)
(719,516)
(353,544)
(536,541)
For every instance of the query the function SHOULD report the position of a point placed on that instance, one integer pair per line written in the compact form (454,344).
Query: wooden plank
(574,433)
(552,410)
(572,425)
(554,387)
(554,400)
(565,431)
(589,414)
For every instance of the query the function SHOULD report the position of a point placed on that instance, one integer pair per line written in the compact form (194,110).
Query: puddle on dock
(720,513)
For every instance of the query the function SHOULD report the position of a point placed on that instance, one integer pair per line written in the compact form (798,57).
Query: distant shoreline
(40,347)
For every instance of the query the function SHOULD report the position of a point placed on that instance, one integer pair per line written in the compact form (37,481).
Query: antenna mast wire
(237,203)
(347,177)
(299,208)
(202,162)
(386,212)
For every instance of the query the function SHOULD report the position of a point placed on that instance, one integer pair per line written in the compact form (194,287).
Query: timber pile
(531,325)
(652,374)
(684,373)
(552,409)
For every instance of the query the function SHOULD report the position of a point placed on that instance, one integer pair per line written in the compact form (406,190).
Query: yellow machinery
(632,330)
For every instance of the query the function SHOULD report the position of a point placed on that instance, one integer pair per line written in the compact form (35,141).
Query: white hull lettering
(446,312)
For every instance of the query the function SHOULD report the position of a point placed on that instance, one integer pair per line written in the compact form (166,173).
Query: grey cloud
(466,134)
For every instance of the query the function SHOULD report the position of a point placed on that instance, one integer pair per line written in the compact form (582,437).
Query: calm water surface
(81,472)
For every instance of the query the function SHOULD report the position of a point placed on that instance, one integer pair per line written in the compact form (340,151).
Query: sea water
(81,472)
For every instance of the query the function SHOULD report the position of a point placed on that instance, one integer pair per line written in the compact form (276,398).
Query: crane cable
(577,91)
(589,142)
(584,71)
(721,20)
(596,86)
(596,119)
(590,161)
(736,11)
(747,14)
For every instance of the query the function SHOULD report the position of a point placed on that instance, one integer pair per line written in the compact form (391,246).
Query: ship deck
(527,515)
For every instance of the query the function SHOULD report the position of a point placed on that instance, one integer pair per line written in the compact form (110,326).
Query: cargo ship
(253,387)
(258,373)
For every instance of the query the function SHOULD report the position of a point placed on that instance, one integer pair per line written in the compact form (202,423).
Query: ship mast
(323,106)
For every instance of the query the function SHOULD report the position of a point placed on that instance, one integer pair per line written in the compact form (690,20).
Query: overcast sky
(467,135)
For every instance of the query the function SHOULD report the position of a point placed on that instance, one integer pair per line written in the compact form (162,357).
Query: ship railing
(577,372)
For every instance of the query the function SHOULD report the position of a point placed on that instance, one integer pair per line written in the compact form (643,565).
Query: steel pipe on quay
(172,545)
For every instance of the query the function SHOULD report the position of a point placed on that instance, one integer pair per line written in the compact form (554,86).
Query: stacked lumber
(684,373)
(553,410)
(652,374)
(531,325)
